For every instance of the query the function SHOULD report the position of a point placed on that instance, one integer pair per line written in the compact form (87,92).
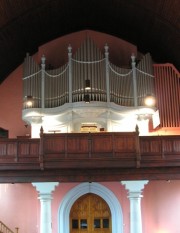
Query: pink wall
(160,204)
(19,207)
(121,194)
(161,207)
(11,105)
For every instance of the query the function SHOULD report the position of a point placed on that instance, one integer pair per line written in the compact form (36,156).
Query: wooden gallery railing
(160,151)
(89,150)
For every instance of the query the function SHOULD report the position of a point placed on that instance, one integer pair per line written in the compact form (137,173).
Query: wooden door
(90,214)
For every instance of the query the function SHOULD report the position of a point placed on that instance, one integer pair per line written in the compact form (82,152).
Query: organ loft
(88,93)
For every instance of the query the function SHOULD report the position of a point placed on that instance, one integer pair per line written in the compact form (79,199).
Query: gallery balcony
(78,157)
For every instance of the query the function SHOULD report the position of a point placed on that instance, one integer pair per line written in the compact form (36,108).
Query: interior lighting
(150,101)
(29,101)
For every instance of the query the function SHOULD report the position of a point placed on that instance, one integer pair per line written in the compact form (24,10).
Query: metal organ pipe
(70,73)
(107,73)
(167,85)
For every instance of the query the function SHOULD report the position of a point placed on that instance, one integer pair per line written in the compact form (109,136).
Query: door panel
(90,214)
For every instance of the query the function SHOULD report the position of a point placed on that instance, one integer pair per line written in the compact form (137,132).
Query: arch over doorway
(98,189)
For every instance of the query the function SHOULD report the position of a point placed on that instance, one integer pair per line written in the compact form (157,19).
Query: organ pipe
(167,89)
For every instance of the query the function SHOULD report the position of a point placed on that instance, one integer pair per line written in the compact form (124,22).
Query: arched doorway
(90,214)
(80,190)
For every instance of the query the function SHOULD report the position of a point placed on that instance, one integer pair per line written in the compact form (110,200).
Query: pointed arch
(84,188)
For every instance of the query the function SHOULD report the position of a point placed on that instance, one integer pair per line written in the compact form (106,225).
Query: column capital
(134,186)
(45,187)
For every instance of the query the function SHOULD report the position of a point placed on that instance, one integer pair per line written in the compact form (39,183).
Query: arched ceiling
(152,25)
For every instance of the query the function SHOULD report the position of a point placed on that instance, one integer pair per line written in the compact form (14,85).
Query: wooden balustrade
(19,153)
(5,229)
(159,151)
(87,150)
(56,156)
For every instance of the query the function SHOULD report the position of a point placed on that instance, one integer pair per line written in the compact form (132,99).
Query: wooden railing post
(17,229)
(41,149)
(138,152)
(89,145)
(17,152)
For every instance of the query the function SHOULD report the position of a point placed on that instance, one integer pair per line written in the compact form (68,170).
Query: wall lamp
(150,100)
(29,101)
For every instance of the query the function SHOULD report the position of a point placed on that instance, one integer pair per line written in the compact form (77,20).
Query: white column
(45,196)
(134,194)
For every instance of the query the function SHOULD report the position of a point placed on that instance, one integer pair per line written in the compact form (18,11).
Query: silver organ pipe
(145,78)
(56,87)
(121,91)
(167,85)
(31,81)
(88,64)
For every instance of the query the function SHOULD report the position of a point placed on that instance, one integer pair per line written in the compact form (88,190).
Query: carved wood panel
(77,144)
(102,143)
(54,145)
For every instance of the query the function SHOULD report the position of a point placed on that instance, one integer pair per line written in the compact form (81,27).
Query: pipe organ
(115,94)
(66,84)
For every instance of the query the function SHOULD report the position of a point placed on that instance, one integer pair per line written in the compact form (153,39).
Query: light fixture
(29,101)
(87,98)
(87,84)
(150,100)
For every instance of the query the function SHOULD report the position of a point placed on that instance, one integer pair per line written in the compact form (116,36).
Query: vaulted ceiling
(152,25)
